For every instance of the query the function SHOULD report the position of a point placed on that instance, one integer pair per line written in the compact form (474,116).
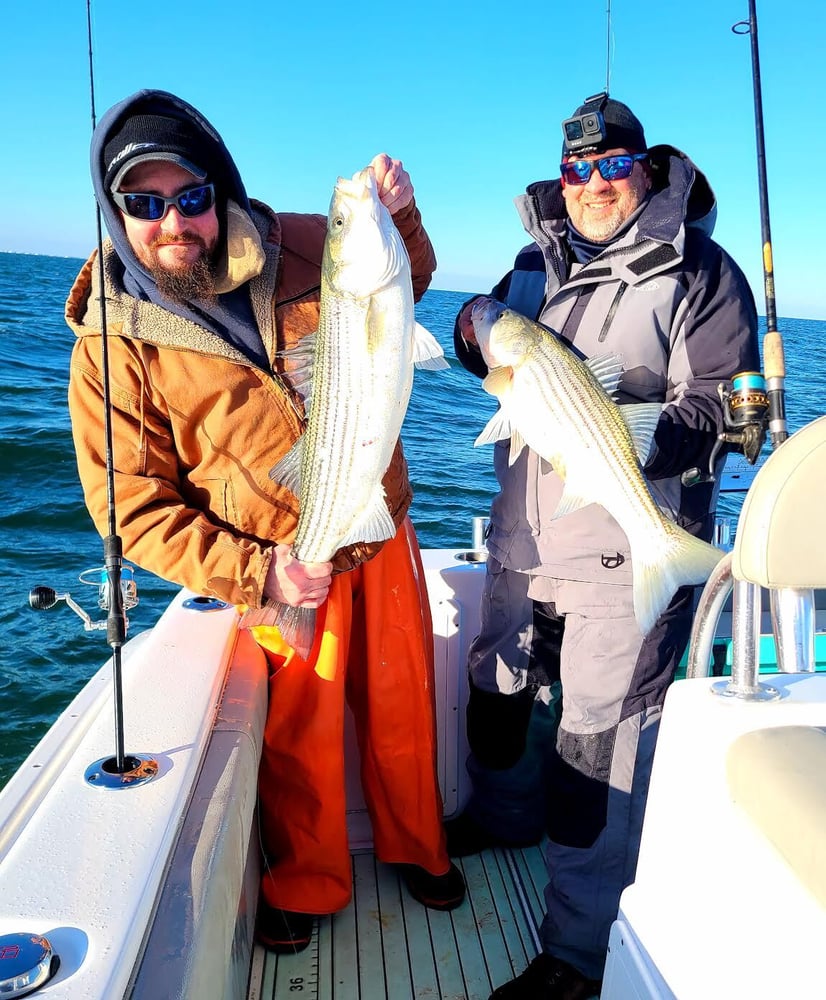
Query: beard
(606,224)
(187,282)
(604,228)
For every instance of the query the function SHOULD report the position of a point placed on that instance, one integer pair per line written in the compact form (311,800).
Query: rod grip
(774,361)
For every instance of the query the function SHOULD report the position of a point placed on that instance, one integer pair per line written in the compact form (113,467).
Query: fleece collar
(145,320)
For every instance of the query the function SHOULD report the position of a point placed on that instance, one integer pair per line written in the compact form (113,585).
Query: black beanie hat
(144,137)
(622,127)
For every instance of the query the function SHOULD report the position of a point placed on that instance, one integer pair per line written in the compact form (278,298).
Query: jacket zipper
(603,333)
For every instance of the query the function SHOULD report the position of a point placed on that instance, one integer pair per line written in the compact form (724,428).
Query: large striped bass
(365,350)
(562,408)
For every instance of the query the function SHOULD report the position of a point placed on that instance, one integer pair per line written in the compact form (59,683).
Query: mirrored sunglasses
(153,207)
(611,168)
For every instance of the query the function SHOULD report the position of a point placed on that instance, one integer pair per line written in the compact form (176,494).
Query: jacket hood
(242,256)
(681,194)
(693,201)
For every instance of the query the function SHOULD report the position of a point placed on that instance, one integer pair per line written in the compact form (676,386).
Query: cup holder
(472,556)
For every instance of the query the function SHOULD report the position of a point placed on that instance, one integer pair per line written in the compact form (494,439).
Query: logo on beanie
(148,136)
(132,149)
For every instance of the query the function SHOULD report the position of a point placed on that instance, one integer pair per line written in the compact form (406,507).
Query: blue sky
(468,94)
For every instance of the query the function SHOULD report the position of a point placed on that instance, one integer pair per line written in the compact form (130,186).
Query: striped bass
(562,408)
(364,352)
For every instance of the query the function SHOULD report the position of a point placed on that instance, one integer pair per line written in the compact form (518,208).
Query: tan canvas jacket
(196,426)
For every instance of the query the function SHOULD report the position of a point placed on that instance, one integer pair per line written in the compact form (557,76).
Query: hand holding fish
(299,584)
(393,182)
(465,319)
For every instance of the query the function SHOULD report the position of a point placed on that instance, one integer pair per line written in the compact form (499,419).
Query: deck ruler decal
(296,976)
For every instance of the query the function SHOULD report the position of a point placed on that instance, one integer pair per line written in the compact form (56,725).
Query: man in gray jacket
(621,262)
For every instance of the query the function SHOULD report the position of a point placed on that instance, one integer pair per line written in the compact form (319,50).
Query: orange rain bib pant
(376,646)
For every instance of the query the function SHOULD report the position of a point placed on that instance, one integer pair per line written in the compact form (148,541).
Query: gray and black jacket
(679,311)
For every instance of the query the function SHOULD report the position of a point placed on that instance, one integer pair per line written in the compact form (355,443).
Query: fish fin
(517,444)
(498,381)
(498,428)
(642,420)
(302,352)
(687,561)
(375,523)
(570,501)
(296,625)
(607,369)
(552,465)
(378,324)
(427,351)
(287,470)
(298,365)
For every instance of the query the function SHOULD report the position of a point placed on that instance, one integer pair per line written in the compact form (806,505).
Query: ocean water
(47,538)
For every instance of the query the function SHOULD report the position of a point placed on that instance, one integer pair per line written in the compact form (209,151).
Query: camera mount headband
(600,100)
(602,123)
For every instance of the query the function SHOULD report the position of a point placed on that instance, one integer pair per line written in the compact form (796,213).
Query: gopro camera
(587,129)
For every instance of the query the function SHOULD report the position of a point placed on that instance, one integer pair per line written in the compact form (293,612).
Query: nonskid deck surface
(386,946)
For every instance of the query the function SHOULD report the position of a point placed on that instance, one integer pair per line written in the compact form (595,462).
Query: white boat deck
(387,945)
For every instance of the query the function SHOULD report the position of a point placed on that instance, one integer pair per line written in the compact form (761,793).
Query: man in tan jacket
(204,290)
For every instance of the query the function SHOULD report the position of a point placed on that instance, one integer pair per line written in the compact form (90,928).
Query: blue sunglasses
(611,168)
(153,207)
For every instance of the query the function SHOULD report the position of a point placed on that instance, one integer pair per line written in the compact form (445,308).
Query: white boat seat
(778,777)
(781,534)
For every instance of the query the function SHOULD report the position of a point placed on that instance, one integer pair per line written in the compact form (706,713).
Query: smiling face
(177,251)
(599,208)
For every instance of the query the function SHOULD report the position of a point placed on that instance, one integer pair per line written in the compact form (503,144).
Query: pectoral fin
(499,381)
(427,351)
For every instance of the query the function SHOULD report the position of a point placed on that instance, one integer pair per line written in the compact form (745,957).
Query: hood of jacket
(680,195)
(241,256)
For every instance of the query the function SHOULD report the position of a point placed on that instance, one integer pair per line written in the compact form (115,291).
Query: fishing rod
(608,47)
(755,402)
(773,355)
(112,547)
(116,591)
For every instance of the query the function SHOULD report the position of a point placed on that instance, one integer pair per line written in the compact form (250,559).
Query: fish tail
(687,561)
(296,625)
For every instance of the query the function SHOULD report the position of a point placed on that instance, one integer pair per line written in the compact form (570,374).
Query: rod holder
(104,773)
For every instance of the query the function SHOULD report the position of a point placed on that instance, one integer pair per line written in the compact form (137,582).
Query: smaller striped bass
(561,408)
